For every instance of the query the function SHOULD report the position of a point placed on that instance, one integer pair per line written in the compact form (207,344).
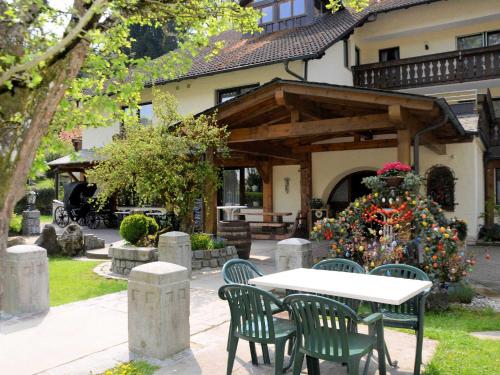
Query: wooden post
(56,184)
(404,146)
(306,187)
(266,173)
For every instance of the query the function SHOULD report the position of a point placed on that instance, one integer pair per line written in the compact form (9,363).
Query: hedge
(44,198)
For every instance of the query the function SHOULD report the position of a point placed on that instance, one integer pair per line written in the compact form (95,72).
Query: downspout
(287,69)
(416,142)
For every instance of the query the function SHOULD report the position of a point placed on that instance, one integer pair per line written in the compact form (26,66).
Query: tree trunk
(18,145)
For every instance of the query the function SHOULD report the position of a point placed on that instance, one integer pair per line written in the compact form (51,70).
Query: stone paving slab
(487,335)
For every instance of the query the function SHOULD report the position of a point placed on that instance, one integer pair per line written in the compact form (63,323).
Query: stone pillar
(158,310)
(26,281)
(175,247)
(293,253)
(31,223)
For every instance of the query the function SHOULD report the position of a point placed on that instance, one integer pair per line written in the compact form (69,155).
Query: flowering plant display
(397,225)
(395,168)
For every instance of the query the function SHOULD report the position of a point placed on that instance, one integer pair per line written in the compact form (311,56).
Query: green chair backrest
(239,271)
(410,307)
(315,318)
(338,264)
(251,312)
(341,265)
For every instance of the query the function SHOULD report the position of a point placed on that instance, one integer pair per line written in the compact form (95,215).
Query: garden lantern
(31,199)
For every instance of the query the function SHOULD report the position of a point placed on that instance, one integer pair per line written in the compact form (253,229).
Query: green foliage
(357,5)
(132,368)
(460,226)
(15,224)
(73,280)
(490,233)
(204,241)
(166,162)
(254,196)
(460,292)
(137,228)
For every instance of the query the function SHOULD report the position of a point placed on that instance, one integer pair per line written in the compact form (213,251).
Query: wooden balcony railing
(449,67)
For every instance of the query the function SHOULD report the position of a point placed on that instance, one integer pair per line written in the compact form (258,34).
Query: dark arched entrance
(347,190)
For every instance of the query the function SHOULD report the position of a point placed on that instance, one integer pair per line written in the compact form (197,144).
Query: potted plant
(209,251)
(393,173)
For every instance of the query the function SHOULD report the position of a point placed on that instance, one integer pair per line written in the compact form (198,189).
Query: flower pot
(393,181)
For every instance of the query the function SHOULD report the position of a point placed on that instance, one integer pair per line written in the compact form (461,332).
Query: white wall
(330,68)
(98,137)
(283,202)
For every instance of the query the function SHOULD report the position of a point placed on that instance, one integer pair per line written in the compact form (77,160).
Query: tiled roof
(304,42)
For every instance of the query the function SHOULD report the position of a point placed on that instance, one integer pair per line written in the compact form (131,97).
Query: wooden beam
(361,96)
(243,105)
(266,173)
(404,146)
(342,146)
(273,150)
(311,128)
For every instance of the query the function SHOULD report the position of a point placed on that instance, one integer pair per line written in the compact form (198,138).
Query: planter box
(124,257)
(213,258)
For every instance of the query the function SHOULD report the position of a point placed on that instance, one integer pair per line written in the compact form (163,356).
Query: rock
(71,240)
(437,300)
(48,240)
(91,242)
(14,241)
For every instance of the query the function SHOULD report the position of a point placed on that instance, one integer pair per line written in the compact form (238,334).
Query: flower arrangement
(398,226)
(395,168)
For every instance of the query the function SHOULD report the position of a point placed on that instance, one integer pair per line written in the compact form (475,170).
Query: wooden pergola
(284,122)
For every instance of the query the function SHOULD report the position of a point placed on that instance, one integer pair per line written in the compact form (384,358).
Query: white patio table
(371,288)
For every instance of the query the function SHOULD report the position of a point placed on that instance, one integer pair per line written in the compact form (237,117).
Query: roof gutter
(416,142)
(299,77)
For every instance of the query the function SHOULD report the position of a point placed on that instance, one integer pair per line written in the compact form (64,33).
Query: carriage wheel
(61,217)
(92,220)
(110,220)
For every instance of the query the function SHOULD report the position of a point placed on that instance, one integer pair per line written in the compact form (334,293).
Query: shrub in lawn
(16,224)
(137,228)
(460,292)
(204,241)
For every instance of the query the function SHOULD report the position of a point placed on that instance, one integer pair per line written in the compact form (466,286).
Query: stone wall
(125,257)
(213,258)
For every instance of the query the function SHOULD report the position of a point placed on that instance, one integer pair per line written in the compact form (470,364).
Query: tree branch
(56,49)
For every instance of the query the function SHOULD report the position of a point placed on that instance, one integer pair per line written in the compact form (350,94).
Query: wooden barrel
(237,234)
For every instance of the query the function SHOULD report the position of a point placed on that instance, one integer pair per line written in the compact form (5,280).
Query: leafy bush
(253,196)
(204,241)
(16,224)
(490,233)
(137,228)
(461,227)
(460,292)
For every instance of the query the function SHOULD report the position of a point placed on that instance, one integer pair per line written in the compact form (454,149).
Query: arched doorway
(347,190)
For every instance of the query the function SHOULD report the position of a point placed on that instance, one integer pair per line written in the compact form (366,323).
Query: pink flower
(393,166)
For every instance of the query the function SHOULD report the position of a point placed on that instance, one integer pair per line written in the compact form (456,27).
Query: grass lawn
(458,352)
(73,280)
(132,368)
(46,219)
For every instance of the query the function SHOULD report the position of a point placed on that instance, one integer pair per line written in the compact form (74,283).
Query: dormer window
(292,8)
(267,15)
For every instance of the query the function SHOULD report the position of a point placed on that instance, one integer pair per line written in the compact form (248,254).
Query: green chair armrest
(372,318)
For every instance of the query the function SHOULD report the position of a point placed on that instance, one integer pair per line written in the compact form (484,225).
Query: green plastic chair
(239,271)
(323,333)
(409,314)
(252,320)
(341,265)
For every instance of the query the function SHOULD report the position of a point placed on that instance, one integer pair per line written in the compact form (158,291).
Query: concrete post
(175,247)
(26,281)
(158,310)
(293,253)
(31,222)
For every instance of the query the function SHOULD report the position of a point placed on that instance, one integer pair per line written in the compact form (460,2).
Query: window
(292,8)
(267,15)
(357,56)
(145,113)
(441,186)
(470,41)
(388,54)
(489,38)
(346,53)
(228,94)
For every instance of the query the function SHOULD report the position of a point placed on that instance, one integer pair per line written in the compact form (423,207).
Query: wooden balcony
(437,69)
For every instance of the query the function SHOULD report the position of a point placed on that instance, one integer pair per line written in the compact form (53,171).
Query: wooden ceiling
(284,120)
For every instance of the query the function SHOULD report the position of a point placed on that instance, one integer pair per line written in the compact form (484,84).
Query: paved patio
(91,336)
